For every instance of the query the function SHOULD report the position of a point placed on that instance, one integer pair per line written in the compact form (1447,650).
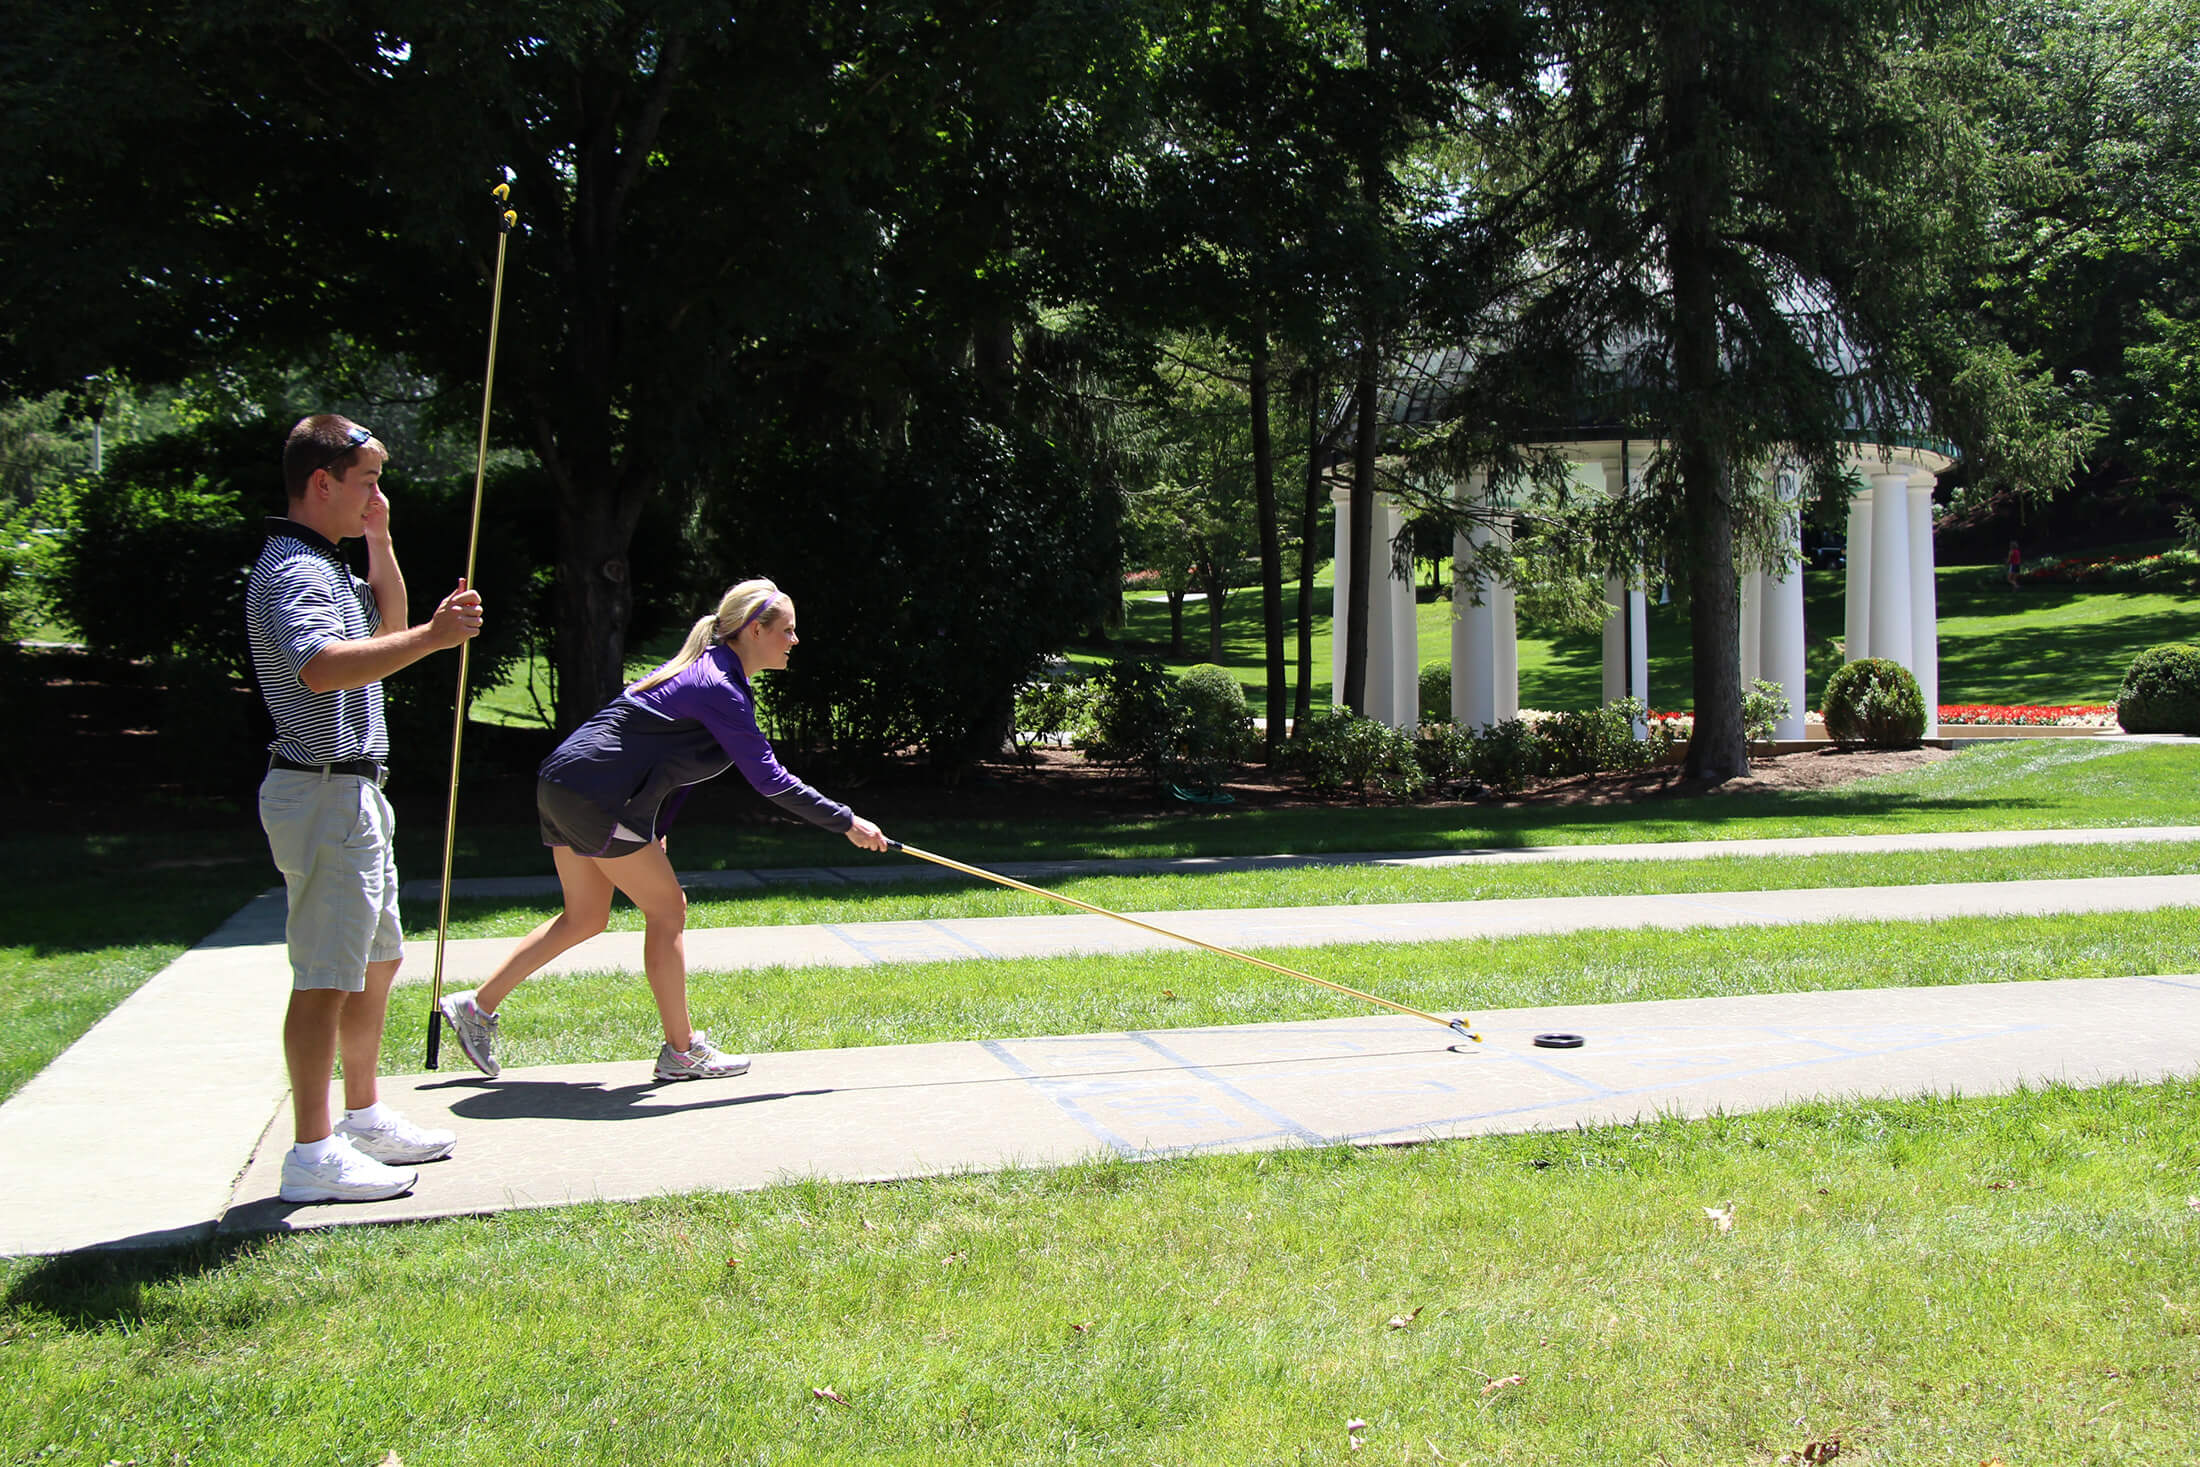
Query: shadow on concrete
(499,1100)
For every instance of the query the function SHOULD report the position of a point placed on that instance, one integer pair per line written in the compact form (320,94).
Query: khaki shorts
(331,838)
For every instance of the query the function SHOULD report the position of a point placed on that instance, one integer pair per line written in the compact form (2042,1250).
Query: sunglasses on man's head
(354,437)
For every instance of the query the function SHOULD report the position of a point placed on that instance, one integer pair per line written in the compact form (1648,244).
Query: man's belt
(373,769)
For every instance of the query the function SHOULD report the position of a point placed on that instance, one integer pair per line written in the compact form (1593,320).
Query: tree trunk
(1719,747)
(594,600)
(1309,527)
(1214,584)
(1271,539)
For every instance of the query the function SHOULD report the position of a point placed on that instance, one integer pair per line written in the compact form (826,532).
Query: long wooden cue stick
(505,220)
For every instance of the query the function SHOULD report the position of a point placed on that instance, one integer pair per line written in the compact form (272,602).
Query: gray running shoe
(397,1140)
(702,1061)
(475,1030)
(348,1176)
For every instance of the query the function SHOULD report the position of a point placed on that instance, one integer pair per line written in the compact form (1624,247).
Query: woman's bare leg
(648,880)
(587,888)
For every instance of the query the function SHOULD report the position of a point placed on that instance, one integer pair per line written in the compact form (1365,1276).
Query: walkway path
(166,1120)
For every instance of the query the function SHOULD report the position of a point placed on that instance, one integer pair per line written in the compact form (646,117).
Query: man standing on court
(322,641)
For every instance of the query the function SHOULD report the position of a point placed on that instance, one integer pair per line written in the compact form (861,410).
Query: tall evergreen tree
(1747,227)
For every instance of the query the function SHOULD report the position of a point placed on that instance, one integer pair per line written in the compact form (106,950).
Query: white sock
(312,1152)
(373,1115)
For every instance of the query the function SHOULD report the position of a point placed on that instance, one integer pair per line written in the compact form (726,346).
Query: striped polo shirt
(301,597)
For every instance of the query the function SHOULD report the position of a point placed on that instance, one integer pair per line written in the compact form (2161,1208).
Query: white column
(1890,550)
(1782,646)
(1752,628)
(1857,610)
(1473,620)
(1626,646)
(1340,594)
(1405,643)
(1393,681)
(1614,685)
(1638,607)
(1924,600)
(1622,612)
(1506,640)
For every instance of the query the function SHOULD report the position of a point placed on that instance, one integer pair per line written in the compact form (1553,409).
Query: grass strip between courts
(1366,885)
(2007,1279)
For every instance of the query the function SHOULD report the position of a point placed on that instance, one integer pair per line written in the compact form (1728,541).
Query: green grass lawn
(2044,644)
(74,947)
(941,894)
(1925,1281)
(2006,785)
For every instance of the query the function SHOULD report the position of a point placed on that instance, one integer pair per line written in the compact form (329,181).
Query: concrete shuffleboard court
(579,1133)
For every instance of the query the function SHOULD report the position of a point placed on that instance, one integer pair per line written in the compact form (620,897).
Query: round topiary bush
(1435,693)
(1210,727)
(1877,702)
(2161,692)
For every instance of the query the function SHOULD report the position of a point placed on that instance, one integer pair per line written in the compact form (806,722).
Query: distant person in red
(2016,563)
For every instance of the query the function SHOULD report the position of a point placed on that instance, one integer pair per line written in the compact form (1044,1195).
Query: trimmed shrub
(1510,755)
(1129,714)
(1445,752)
(1593,740)
(1875,701)
(1435,694)
(2161,692)
(1210,728)
(1050,710)
(1763,706)
(1339,752)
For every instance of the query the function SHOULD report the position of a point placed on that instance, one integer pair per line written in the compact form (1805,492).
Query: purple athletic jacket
(636,758)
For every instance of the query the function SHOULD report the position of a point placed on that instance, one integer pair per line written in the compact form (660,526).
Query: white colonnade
(1893,611)
(1890,612)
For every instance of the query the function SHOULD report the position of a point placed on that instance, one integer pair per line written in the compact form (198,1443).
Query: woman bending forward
(609,792)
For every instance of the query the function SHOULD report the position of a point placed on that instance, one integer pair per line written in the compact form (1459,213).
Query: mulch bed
(87,757)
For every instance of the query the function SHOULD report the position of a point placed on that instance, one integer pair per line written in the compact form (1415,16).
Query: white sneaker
(397,1139)
(701,1060)
(347,1176)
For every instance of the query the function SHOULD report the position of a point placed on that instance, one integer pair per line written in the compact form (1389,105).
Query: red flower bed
(2067,715)
(2026,715)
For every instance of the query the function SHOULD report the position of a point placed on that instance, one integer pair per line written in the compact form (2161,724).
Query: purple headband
(761,607)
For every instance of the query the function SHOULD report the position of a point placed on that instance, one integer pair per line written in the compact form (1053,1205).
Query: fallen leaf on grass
(1722,1218)
(1400,1321)
(1824,1451)
(1993,1462)
(827,1393)
(1502,1381)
